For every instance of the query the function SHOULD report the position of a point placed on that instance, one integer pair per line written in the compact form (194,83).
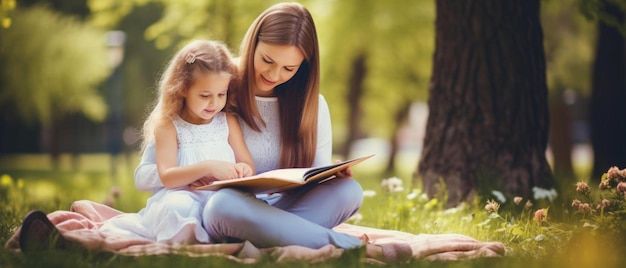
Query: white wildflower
(455,210)
(540,237)
(393,184)
(499,196)
(369,193)
(540,193)
(357,217)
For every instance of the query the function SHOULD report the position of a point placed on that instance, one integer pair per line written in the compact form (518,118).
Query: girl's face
(274,65)
(205,98)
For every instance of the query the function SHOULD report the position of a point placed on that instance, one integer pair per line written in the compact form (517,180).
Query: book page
(289,174)
(325,171)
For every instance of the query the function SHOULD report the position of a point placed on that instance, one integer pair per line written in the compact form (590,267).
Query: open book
(279,180)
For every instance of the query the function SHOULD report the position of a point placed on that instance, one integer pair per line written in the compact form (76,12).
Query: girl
(192,139)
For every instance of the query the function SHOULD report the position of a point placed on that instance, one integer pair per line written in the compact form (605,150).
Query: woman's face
(274,65)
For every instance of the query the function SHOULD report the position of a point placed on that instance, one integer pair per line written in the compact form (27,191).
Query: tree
(376,57)
(51,73)
(609,92)
(569,53)
(51,67)
(488,119)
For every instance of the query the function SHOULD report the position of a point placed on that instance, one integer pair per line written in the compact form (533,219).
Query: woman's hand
(346,173)
(202,182)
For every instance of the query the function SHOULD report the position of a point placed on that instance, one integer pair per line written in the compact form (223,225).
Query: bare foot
(389,253)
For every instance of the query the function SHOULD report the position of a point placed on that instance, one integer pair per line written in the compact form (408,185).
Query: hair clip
(190,58)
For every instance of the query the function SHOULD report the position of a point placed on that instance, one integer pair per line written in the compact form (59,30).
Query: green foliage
(108,13)
(595,10)
(568,46)
(397,38)
(51,66)
(185,20)
(6,7)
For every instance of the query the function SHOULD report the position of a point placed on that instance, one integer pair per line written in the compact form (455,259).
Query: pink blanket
(81,224)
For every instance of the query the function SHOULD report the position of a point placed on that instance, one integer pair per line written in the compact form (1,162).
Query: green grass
(29,182)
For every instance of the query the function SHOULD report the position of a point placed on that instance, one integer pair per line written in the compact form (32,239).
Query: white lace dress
(174,215)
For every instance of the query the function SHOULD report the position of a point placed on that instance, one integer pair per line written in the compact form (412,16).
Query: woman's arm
(235,138)
(324,150)
(146,174)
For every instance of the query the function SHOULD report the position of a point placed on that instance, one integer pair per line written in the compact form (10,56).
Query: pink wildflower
(585,208)
(517,200)
(582,188)
(622,173)
(109,202)
(492,206)
(603,204)
(612,173)
(576,203)
(528,204)
(621,187)
(540,215)
(115,192)
(604,185)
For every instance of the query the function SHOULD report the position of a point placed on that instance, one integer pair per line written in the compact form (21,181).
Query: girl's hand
(346,173)
(243,169)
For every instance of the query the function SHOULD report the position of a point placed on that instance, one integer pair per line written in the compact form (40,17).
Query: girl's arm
(174,176)
(235,138)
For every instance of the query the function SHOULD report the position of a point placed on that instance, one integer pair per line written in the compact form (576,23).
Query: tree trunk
(401,118)
(561,136)
(354,95)
(606,115)
(488,123)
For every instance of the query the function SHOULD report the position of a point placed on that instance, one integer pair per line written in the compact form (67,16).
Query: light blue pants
(304,218)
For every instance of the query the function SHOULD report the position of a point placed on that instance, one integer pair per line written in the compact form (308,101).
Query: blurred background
(77,76)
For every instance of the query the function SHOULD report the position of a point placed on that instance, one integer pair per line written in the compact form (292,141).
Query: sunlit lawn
(29,182)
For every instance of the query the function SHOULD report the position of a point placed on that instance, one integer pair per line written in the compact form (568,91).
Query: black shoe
(38,233)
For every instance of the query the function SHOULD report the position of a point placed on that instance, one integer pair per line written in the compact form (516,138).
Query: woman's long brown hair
(285,24)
